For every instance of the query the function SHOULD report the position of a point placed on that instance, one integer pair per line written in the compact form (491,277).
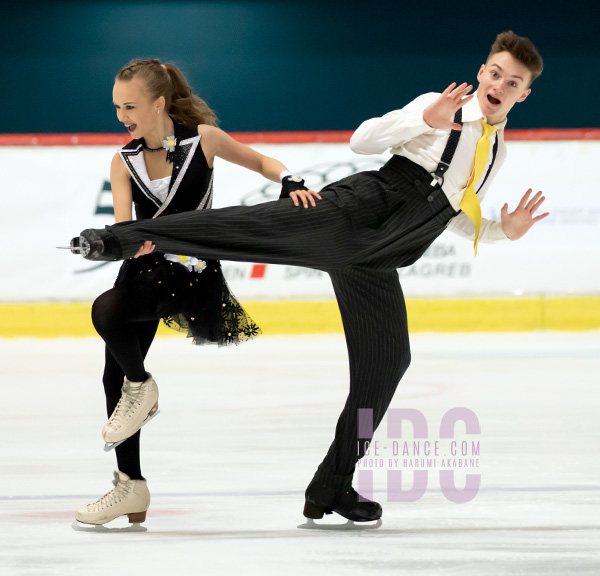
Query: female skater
(166,169)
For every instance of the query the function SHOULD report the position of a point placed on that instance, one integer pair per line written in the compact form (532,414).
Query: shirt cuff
(493,233)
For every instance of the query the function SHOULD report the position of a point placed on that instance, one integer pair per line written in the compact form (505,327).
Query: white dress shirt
(406,134)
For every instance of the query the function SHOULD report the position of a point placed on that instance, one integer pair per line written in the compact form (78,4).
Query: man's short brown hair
(522,49)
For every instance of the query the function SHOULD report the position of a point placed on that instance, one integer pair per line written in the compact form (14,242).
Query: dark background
(304,65)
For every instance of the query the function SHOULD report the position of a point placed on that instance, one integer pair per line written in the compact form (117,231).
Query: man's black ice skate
(321,499)
(95,244)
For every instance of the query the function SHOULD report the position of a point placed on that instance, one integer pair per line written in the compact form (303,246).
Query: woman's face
(134,108)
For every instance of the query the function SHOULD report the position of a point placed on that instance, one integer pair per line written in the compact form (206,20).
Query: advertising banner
(53,192)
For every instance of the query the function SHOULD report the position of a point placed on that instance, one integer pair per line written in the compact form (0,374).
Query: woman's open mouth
(131,127)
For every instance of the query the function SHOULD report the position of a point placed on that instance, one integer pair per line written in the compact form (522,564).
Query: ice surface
(242,430)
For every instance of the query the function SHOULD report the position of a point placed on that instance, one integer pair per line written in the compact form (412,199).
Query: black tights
(127,317)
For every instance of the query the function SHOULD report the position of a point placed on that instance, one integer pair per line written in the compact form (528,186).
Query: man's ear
(480,73)
(524,95)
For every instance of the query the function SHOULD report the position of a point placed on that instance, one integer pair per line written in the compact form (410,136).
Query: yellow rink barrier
(55,320)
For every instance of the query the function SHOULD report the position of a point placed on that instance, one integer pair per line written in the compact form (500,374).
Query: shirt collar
(472,112)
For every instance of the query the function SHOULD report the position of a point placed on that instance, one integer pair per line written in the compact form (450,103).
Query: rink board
(59,186)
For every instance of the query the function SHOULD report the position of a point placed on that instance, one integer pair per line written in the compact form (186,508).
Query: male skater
(446,150)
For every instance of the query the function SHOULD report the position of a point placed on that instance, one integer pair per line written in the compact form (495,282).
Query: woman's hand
(517,223)
(146,248)
(304,196)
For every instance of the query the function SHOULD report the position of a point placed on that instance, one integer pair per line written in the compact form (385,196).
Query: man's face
(503,81)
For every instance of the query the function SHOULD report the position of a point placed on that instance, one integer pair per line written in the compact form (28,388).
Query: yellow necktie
(470,203)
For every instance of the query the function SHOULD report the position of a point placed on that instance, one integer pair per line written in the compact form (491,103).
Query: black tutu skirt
(212,314)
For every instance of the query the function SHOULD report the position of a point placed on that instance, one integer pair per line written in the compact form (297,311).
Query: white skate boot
(137,406)
(129,498)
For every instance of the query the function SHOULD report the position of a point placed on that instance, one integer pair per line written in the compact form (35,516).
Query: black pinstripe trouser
(365,227)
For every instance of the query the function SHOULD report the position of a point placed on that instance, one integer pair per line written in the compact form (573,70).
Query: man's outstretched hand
(516,224)
(441,113)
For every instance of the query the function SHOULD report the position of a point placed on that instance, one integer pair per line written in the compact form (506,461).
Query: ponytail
(186,106)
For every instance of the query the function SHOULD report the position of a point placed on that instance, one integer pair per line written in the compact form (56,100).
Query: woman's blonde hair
(166,80)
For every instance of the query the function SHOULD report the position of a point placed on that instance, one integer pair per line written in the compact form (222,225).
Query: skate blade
(74,249)
(108,446)
(310,524)
(81,527)
(79,245)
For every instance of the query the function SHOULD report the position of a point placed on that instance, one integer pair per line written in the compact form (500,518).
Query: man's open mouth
(493,100)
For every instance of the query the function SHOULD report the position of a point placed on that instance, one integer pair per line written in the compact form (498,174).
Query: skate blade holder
(102,528)
(310,524)
(108,446)
(79,245)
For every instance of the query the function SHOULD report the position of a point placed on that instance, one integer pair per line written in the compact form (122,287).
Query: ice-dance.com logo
(420,455)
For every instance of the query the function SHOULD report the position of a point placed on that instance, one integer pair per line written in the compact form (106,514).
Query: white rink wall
(53,192)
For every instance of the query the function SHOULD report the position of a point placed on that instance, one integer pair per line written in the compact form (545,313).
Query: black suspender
(450,149)
(448,154)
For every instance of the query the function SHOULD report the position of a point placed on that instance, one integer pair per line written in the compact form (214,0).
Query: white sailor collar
(134,161)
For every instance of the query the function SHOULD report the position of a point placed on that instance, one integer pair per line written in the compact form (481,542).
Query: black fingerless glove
(289,184)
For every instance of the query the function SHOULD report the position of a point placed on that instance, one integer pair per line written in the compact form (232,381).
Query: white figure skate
(137,406)
(129,498)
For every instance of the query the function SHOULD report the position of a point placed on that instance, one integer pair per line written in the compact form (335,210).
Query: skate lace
(120,491)
(128,401)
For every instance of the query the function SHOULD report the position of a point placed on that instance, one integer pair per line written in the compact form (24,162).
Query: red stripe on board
(64,139)
(554,134)
(121,139)
(274,137)
(292,137)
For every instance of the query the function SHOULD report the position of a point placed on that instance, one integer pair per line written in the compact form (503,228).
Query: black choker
(168,144)
(153,149)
